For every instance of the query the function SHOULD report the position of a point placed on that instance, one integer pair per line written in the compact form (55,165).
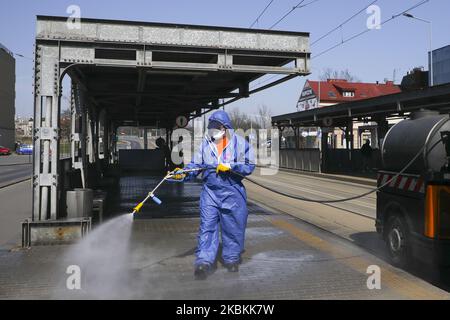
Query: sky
(399,45)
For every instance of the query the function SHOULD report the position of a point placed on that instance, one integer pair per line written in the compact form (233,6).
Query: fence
(300,159)
(339,161)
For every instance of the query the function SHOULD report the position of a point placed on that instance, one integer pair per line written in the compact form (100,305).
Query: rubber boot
(202,271)
(232,267)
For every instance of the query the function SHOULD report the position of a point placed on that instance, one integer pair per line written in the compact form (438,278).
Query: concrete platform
(153,258)
(284,259)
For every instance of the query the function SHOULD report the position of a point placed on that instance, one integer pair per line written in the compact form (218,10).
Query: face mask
(216,134)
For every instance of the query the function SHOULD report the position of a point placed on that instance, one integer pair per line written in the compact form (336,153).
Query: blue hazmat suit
(223,200)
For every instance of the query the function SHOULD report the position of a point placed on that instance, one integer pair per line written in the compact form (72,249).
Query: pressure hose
(345,199)
(170,175)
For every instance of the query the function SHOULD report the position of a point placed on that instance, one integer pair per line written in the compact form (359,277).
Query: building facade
(320,94)
(7,97)
(441,66)
(24,127)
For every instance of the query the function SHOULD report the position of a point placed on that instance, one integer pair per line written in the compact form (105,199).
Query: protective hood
(222,117)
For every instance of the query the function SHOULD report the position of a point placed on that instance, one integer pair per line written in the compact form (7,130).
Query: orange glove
(223,167)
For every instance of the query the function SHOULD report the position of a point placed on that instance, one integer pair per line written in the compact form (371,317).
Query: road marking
(393,280)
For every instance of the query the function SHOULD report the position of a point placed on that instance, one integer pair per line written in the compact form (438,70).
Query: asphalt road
(324,189)
(15,159)
(14,173)
(136,143)
(353,220)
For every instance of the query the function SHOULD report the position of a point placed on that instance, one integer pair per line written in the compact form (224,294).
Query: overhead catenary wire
(368,30)
(340,26)
(262,13)
(287,14)
(298,6)
(344,23)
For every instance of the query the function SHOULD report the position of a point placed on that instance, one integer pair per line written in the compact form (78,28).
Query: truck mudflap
(430,251)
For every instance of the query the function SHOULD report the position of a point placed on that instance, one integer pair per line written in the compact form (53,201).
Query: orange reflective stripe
(431,210)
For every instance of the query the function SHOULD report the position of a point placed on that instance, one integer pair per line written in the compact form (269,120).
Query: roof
(148,74)
(173,25)
(332,90)
(433,98)
(2,47)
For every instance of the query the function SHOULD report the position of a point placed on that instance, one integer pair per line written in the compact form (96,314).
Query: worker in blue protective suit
(223,200)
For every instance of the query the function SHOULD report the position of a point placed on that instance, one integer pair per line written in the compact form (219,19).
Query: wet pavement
(153,258)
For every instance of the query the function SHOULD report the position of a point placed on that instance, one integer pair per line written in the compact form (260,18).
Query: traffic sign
(181,121)
(327,122)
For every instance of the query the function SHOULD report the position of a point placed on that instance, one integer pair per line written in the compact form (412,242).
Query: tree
(242,121)
(65,124)
(330,73)
(264,118)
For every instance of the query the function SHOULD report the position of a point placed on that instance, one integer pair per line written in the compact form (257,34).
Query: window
(348,94)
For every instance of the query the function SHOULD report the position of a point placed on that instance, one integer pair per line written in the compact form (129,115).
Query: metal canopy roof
(152,72)
(433,98)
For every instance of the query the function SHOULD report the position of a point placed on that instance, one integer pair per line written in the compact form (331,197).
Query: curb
(14,182)
(15,164)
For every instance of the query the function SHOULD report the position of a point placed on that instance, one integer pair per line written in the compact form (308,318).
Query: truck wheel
(397,241)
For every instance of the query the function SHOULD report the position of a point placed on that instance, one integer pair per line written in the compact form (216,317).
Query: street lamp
(408,15)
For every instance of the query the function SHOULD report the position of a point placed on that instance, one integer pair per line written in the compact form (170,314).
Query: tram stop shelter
(375,111)
(138,74)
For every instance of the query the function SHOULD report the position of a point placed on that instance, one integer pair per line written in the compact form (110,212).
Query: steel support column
(46,133)
(145,138)
(324,150)
(349,138)
(382,129)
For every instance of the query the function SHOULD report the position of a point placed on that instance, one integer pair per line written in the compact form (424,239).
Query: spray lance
(168,177)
